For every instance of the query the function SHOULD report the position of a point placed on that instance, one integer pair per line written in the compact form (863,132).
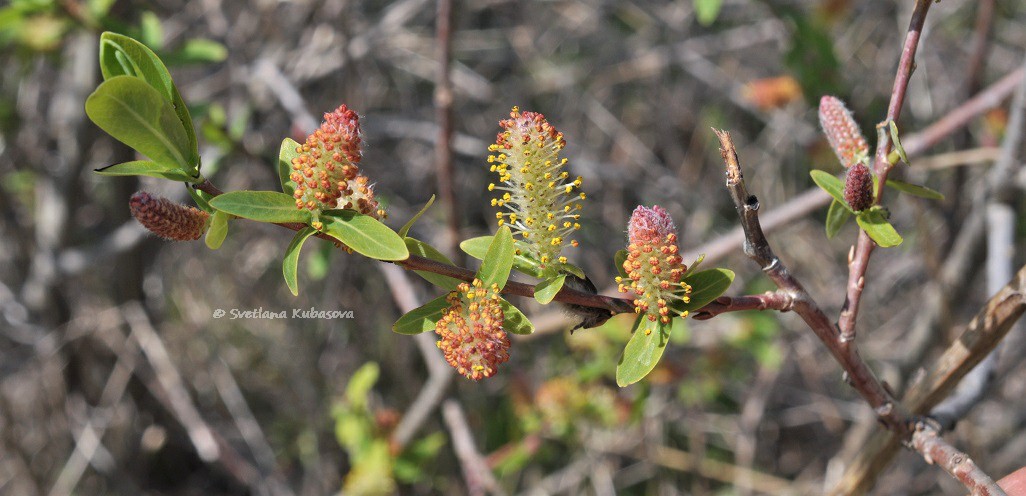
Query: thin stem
(935,450)
(443,116)
(859,261)
(758,249)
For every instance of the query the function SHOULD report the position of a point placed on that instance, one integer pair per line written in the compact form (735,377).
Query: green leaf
(364,234)
(546,290)
(406,227)
(263,206)
(569,269)
(619,259)
(151,31)
(498,260)
(837,216)
(478,247)
(706,11)
(422,318)
(422,249)
(286,153)
(515,322)
(200,50)
(829,183)
(706,286)
(290,266)
(915,190)
(643,351)
(896,142)
(123,56)
(137,115)
(218,230)
(876,226)
(146,168)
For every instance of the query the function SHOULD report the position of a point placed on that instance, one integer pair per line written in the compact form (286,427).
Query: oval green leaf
(643,351)
(478,248)
(201,198)
(915,190)
(514,321)
(218,230)
(422,318)
(406,227)
(290,266)
(137,115)
(829,183)
(147,168)
(124,56)
(837,216)
(876,226)
(896,142)
(546,290)
(498,261)
(364,234)
(569,269)
(706,286)
(286,153)
(263,206)
(422,249)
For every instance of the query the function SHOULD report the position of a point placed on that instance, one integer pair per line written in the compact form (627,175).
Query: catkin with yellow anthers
(325,171)
(470,331)
(538,202)
(653,265)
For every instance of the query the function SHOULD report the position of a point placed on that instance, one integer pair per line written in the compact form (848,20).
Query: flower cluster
(470,331)
(168,219)
(654,265)
(842,131)
(326,173)
(539,200)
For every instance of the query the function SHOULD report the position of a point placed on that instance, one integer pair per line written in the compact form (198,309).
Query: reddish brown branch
(758,249)
(859,262)
(935,450)
(779,300)
(443,116)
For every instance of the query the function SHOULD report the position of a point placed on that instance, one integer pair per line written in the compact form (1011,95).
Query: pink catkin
(168,219)
(842,131)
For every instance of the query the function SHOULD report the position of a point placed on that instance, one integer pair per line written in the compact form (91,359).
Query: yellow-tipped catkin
(539,200)
(654,266)
(470,331)
(326,173)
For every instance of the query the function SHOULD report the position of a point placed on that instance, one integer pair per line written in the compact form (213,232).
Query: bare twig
(479,477)
(440,374)
(936,450)
(859,263)
(758,249)
(443,116)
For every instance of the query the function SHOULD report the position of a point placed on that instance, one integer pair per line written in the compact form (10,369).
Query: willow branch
(935,450)
(758,249)
(859,262)
(724,304)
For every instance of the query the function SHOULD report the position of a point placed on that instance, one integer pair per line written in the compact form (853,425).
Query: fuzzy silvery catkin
(168,219)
